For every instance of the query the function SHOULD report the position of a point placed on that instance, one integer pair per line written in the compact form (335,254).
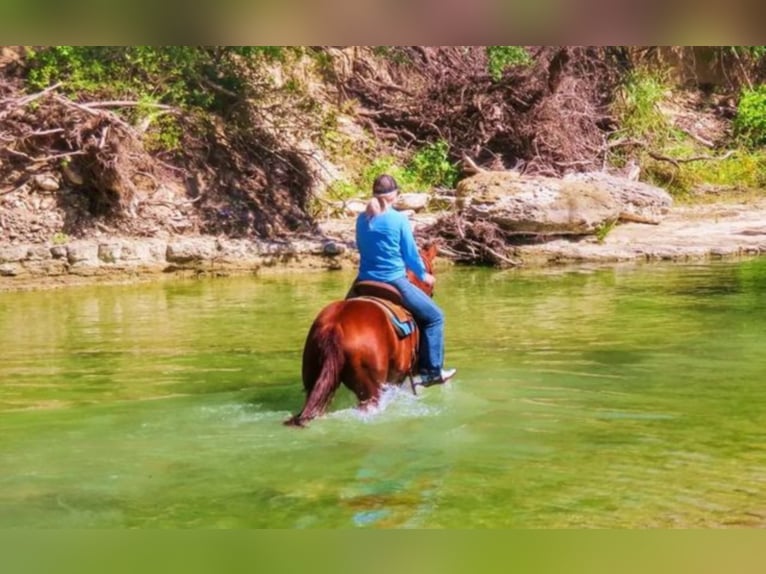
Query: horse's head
(427,254)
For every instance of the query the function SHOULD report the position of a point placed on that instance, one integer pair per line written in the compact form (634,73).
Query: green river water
(626,397)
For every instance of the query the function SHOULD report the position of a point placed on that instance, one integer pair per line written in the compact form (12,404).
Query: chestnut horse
(353,342)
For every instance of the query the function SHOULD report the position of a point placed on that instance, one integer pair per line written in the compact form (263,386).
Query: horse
(353,341)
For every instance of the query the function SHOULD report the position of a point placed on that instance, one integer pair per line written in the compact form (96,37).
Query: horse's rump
(352,342)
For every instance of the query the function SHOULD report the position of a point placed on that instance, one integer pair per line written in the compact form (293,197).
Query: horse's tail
(325,345)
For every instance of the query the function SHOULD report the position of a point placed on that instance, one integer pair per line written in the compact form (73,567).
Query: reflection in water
(624,397)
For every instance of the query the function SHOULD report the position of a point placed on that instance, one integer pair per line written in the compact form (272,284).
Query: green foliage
(174,75)
(754,52)
(431,167)
(60,238)
(361,185)
(750,122)
(189,77)
(165,134)
(603,230)
(636,107)
(637,110)
(428,167)
(742,170)
(500,58)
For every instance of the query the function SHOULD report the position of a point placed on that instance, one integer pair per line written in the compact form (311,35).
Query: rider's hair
(382,195)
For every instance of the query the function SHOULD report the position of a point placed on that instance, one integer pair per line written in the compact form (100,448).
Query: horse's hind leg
(365,383)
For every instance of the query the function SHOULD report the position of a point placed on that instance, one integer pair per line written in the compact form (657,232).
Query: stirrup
(429,379)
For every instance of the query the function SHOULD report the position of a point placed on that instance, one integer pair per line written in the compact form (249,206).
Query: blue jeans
(430,319)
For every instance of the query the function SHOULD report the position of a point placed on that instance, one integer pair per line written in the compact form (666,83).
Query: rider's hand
(429,280)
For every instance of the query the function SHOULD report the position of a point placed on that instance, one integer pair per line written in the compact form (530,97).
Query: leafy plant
(500,58)
(739,170)
(603,230)
(750,122)
(637,109)
(431,166)
(164,134)
(202,76)
(60,238)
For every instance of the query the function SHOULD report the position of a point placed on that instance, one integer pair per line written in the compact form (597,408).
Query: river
(620,397)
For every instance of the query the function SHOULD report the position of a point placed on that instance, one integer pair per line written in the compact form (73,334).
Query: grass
(639,113)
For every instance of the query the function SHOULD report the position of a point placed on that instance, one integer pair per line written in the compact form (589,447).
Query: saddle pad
(401,319)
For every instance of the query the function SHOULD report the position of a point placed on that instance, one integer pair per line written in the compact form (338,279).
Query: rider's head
(384,192)
(384,184)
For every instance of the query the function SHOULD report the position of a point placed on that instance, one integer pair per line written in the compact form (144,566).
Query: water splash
(396,403)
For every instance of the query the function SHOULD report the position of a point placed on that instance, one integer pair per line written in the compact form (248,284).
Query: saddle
(387,298)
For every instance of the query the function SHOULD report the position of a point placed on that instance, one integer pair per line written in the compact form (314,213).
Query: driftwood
(89,145)
(549,116)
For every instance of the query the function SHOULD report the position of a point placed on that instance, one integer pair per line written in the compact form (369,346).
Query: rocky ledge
(685,233)
(127,259)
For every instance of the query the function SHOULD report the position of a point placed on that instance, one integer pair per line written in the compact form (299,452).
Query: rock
(110,252)
(639,202)
(58,251)
(411,201)
(333,248)
(191,249)
(46,182)
(351,207)
(8,270)
(535,204)
(39,253)
(574,205)
(13,253)
(82,253)
(146,252)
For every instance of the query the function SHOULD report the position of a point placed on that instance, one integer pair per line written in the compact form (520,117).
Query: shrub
(500,58)
(750,122)
(431,167)
(636,107)
(176,75)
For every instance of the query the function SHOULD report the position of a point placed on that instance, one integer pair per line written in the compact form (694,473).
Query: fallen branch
(92,111)
(129,104)
(19,154)
(660,157)
(45,132)
(677,161)
(45,158)
(31,98)
(59,156)
(472,168)
(511,262)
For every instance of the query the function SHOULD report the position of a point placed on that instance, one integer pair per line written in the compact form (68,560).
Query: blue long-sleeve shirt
(387,247)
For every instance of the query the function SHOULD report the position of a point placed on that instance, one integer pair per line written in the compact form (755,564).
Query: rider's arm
(410,253)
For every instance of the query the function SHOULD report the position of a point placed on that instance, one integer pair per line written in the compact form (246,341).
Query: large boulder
(638,201)
(573,205)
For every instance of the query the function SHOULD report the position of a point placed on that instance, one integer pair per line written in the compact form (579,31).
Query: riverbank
(688,232)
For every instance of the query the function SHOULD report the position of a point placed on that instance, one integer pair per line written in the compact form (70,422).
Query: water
(624,397)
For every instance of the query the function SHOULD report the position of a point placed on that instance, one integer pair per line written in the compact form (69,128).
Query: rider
(387,249)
